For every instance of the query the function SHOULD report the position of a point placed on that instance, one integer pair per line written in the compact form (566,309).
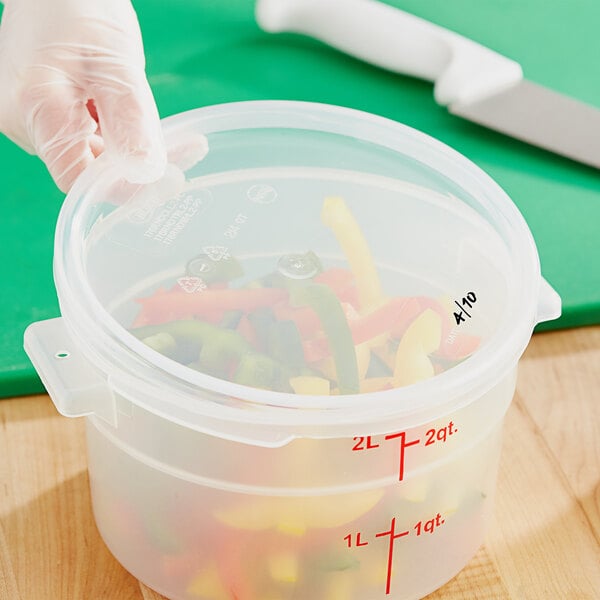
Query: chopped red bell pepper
(411,310)
(457,346)
(342,282)
(395,314)
(246,330)
(210,304)
(306,319)
(393,317)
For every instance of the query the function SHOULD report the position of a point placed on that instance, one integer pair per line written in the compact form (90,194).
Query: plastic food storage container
(294,354)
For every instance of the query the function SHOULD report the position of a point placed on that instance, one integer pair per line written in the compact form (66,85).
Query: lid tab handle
(549,303)
(75,385)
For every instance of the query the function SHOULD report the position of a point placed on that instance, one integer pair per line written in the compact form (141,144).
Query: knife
(473,81)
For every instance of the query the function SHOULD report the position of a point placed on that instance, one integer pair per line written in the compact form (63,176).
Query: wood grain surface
(544,542)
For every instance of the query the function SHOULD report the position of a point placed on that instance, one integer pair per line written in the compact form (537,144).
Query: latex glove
(73,84)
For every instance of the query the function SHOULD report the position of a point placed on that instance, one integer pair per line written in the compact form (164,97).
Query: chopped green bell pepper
(325,303)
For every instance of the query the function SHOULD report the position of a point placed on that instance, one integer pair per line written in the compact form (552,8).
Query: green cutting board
(202,52)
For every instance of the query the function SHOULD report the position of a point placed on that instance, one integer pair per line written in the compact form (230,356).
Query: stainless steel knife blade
(539,116)
(473,81)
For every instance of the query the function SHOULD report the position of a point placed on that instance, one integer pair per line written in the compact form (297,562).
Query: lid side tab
(76,387)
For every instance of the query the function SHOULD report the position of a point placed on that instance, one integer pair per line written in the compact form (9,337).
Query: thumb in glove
(74,86)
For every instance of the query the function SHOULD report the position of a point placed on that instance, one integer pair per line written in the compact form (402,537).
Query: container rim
(142,374)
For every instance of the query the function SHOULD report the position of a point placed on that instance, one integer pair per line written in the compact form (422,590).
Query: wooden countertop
(544,543)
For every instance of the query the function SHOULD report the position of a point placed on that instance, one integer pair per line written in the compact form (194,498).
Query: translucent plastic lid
(311,257)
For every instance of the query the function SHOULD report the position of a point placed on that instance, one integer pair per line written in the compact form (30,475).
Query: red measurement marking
(429,526)
(403,445)
(393,537)
(441,434)
(363,443)
(358,541)
(435,435)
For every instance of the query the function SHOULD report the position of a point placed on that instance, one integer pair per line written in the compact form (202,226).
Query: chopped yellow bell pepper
(423,336)
(336,215)
(412,366)
(363,357)
(292,514)
(291,528)
(283,567)
(310,385)
(207,585)
(415,489)
(340,586)
(375,384)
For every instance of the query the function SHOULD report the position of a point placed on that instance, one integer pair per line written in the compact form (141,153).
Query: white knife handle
(395,40)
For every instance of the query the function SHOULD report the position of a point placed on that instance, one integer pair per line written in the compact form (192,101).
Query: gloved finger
(95,140)
(187,150)
(96,144)
(61,129)
(130,123)
(142,199)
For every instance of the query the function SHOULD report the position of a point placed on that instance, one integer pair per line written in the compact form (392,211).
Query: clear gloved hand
(73,85)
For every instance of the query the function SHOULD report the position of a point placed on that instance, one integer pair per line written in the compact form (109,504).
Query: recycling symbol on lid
(216,253)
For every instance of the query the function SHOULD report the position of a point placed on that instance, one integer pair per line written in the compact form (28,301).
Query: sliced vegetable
(207,585)
(411,309)
(162,342)
(161,533)
(317,350)
(221,352)
(414,366)
(327,365)
(336,215)
(342,282)
(298,513)
(422,338)
(187,330)
(381,365)
(334,560)
(283,567)
(174,305)
(340,586)
(179,566)
(425,331)
(308,385)
(237,570)
(302,327)
(231,319)
(258,370)
(376,384)
(293,529)
(247,331)
(306,319)
(393,314)
(284,343)
(416,489)
(457,346)
(333,321)
(262,320)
